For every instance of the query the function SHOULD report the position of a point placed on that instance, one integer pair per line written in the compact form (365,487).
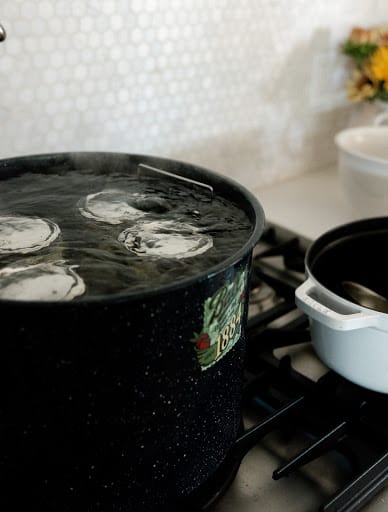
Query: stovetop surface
(278,337)
(307,488)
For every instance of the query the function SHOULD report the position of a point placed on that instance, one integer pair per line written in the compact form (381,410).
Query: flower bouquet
(368,49)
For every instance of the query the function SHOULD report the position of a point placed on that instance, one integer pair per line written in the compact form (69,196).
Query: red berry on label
(203,341)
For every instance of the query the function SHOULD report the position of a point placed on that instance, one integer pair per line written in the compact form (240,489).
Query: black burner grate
(337,414)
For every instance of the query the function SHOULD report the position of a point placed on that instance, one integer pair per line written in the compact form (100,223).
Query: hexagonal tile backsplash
(250,89)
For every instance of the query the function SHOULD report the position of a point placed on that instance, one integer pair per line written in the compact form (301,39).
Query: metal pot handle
(3,33)
(305,296)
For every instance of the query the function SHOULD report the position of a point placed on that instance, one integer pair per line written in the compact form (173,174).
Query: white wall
(253,89)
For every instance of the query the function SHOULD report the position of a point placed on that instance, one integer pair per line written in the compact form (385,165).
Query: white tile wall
(250,88)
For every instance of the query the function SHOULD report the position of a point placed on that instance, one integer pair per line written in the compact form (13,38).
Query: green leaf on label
(208,356)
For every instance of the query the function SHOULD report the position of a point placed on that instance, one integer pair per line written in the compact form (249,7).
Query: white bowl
(363,169)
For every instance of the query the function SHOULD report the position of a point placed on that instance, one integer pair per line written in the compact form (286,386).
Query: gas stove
(310,441)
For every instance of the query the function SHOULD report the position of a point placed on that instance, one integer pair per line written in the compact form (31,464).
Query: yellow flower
(382,36)
(360,87)
(362,36)
(379,64)
(376,35)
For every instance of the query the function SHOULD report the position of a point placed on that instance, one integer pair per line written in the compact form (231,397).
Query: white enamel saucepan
(349,338)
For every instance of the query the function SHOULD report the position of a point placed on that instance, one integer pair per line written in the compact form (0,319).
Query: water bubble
(165,239)
(24,235)
(111,206)
(152,204)
(44,281)
(115,206)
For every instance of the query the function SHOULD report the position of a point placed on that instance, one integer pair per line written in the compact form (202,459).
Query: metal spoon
(365,297)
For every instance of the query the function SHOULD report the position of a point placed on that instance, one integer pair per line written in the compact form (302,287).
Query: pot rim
(332,236)
(257,214)
(341,143)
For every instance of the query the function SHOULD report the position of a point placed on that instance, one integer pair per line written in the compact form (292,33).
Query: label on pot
(222,317)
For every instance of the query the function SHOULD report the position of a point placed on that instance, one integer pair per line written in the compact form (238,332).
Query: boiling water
(84,234)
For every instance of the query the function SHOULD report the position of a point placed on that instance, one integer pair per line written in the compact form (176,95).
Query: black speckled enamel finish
(104,405)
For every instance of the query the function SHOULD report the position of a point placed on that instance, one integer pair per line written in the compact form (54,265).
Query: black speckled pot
(123,403)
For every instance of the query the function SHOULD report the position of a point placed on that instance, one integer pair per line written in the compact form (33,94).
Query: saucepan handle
(307,300)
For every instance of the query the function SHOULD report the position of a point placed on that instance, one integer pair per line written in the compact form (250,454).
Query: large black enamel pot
(120,403)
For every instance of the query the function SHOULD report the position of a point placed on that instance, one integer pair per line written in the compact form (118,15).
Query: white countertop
(309,204)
